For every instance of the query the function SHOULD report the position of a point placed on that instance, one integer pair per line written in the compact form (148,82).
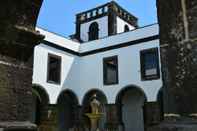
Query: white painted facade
(121,24)
(103,28)
(81,74)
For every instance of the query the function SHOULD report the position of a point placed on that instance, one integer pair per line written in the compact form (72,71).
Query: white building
(109,56)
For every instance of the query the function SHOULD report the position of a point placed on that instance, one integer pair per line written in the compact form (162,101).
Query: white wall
(120,38)
(59,40)
(103,28)
(91,68)
(121,24)
(81,74)
(69,73)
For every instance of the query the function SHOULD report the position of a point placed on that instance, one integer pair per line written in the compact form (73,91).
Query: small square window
(54,69)
(150,64)
(110,70)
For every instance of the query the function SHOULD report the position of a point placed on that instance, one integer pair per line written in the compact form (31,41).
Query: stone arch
(129,87)
(86,108)
(126,28)
(67,105)
(39,102)
(130,101)
(93,31)
(71,93)
(94,90)
(41,93)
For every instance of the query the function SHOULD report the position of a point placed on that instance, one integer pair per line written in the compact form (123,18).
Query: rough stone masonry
(17,40)
(178,38)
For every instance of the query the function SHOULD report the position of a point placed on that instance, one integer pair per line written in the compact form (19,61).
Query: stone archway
(100,96)
(66,110)
(131,108)
(39,104)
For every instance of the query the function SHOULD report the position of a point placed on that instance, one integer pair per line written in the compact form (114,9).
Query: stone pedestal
(17,40)
(48,119)
(113,122)
(94,121)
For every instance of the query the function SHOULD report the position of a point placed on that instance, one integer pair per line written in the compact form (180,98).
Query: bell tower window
(94,31)
(126,28)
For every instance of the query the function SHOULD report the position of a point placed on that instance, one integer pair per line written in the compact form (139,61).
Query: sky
(58,16)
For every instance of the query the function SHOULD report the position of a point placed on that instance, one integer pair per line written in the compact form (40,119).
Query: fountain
(95,115)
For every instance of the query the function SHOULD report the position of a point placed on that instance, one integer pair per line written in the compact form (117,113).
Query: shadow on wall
(67,110)
(131,100)
(71,80)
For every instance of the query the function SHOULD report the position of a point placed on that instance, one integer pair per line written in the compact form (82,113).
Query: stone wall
(178,37)
(17,40)
(15,97)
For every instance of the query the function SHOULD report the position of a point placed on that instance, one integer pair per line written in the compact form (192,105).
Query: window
(126,28)
(110,70)
(54,69)
(93,31)
(150,64)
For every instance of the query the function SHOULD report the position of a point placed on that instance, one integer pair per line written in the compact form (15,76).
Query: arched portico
(39,103)
(66,110)
(130,101)
(86,108)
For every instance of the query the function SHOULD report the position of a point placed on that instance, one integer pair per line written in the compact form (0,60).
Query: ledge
(18,125)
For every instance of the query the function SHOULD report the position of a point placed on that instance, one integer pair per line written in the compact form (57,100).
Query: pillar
(48,118)
(178,38)
(112,22)
(78,120)
(17,40)
(178,35)
(113,120)
(152,113)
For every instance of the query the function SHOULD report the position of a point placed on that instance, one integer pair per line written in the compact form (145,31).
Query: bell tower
(103,21)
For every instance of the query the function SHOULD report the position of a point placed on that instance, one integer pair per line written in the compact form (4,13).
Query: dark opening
(67,107)
(130,103)
(126,28)
(54,69)
(93,31)
(39,104)
(110,70)
(150,64)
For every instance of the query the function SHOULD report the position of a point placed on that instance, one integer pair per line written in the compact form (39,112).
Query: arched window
(126,28)
(94,31)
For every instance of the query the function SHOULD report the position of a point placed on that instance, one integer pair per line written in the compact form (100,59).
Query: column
(78,114)
(48,118)
(152,113)
(113,120)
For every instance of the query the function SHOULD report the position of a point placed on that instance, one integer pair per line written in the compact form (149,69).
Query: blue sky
(59,15)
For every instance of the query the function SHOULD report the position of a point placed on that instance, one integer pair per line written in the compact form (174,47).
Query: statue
(95,105)
(95,115)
